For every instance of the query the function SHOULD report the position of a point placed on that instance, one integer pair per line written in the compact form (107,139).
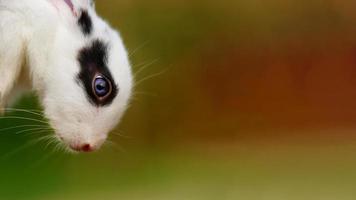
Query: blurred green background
(244,99)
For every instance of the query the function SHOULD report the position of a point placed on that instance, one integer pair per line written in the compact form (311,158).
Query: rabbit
(73,60)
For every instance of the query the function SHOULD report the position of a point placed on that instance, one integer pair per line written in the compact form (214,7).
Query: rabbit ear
(70,4)
(65,7)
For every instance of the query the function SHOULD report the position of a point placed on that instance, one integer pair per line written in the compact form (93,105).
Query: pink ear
(58,4)
(70,4)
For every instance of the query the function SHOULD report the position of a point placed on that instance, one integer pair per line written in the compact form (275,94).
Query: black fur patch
(93,60)
(85,23)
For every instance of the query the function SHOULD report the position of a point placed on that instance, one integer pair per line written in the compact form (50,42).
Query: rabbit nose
(83,147)
(87,148)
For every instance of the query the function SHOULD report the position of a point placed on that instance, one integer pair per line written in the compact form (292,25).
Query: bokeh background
(243,99)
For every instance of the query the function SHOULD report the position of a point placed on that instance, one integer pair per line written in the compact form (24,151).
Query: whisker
(59,147)
(11,153)
(24,118)
(115,146)
(66,150)
(42,160)
(55,148)
(23,110)
(28,144)
(145,67)
(121,135)
(53,140)
(150,77)
(34,129)
(22,126)
(47,132)
(145,93)
(139,65)
(43,138)
(138,48)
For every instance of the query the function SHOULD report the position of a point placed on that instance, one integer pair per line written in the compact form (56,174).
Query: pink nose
(87,148)
(83,147)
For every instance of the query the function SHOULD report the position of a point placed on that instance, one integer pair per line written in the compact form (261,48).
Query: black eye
(101,86)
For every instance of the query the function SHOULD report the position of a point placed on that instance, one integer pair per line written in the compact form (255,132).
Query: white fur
(40,40)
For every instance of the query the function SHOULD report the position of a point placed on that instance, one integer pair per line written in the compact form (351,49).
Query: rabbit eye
(102,86)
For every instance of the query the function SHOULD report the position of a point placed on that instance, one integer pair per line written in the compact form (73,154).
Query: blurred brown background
(236,66)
